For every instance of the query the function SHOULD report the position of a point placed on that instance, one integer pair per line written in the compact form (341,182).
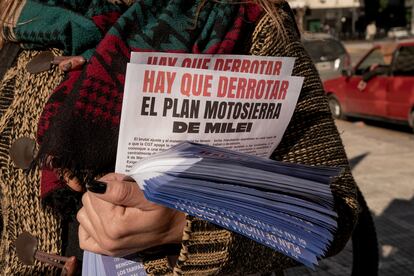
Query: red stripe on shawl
(49,182)
(105,21)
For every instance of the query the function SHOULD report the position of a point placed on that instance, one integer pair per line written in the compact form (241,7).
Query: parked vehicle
(328,54)
(381,86)
(398,33)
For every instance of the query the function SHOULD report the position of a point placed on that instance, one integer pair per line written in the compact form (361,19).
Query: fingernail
(96,186)
(67,66)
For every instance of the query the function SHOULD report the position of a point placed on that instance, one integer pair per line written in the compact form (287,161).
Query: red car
(381,85)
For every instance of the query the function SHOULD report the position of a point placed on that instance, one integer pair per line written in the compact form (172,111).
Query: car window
(404,62)
(376,57)
(324,49)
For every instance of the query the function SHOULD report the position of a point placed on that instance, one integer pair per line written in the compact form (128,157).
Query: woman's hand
(117,220)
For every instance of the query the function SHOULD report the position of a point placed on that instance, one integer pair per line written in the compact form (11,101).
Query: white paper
(95,264)
(154,112)
(260,65)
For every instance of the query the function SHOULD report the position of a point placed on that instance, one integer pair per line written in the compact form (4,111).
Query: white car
(398,33)
(328,54)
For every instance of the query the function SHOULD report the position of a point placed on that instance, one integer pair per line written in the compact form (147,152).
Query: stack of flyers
(234,111)
(287,207)
(95,264)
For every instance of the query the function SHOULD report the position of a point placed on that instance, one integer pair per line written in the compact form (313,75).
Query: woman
(79,125)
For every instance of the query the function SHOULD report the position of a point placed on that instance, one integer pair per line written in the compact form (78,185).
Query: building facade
(338,17)
(350,18)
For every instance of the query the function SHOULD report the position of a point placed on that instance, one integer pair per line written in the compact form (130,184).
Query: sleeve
(311,138)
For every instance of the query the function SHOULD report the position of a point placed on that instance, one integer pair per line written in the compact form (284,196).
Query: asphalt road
(382,161)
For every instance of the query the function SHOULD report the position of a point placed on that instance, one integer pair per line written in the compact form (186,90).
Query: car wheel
(411,120)
(336,108)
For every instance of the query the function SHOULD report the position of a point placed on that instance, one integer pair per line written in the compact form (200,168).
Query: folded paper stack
(288,207)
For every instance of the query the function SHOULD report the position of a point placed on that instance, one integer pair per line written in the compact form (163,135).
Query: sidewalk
(381,159)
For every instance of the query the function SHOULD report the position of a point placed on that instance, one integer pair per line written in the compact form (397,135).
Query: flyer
(259,65)
(165,105)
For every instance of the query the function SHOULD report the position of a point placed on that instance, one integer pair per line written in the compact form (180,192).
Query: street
(381,157)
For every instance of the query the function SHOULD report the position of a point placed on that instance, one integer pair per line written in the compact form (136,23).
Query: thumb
(114,189)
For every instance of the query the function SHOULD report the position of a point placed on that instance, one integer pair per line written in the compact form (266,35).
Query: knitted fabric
(311,138)
(80,124)
(90,101)
(75,26)
(8,55)
(22,98)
